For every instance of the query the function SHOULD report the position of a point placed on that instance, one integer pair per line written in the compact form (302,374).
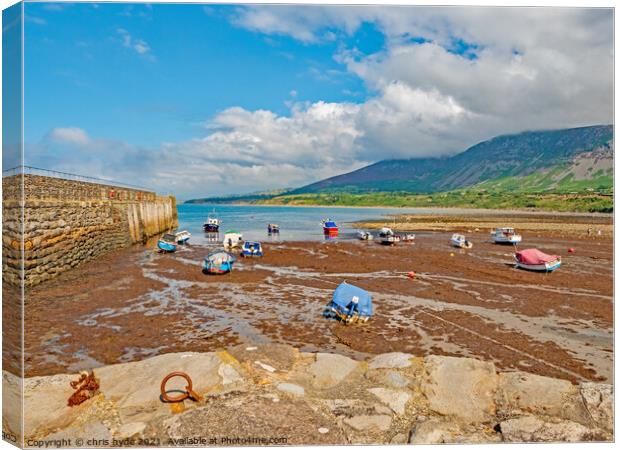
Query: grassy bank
(590,202)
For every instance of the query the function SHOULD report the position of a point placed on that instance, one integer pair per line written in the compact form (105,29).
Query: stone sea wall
(279,395)
(68,222)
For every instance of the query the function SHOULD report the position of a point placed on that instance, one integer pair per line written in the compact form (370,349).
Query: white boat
(533,259)
(459,240)
(387,236)
(182,236)
(407,237)
(232,239)
(505,236)
(365,235)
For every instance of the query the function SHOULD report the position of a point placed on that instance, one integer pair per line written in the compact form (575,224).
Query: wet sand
(137,303)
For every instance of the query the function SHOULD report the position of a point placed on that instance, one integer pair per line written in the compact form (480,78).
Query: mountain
(556,160)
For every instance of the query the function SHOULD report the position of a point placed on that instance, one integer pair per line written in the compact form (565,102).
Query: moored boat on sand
(219,262)
(505,235)
(182,236)
(167,243)
(537,261)
(407,237)
(349,304)
(232,239)
(365,235)
(251,249)
(387,236)
(460,241)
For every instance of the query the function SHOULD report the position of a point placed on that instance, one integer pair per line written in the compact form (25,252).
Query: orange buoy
(571,250)
(411,274)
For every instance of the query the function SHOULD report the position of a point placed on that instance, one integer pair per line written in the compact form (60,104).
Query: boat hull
(166,246)
(460,244)
(545,267)
(210,228)
(507,240)
(330,231)
(220,269)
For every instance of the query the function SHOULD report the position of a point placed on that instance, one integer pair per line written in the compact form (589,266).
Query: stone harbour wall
(68,222)
(275,391)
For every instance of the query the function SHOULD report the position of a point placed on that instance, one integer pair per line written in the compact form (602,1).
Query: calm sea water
(296,223)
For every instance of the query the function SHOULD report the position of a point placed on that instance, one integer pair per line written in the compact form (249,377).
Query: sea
(297,223)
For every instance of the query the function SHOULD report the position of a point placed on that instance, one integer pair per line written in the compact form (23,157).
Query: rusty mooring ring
(189,393)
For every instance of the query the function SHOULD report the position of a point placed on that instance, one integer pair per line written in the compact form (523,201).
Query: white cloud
(70,135)
(140,46)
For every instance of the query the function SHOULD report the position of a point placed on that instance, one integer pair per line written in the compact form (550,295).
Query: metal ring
(180,398)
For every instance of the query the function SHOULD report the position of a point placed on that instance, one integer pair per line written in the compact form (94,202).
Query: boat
(365,235)
(251,249)
(167,243)
(505,236)
(273,228)
(232,239)
(182,236)
(349,304)
(212,224)
(330,228)
(387,236)
(218,262)
(459,241)
(408,237)
(535,260)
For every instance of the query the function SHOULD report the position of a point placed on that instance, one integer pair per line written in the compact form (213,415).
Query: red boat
(330,228)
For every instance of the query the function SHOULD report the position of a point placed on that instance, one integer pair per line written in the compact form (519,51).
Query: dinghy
(387,236)
(182,237)
(365,235)
(218,262)
(505,236)
(459,241)
(232,239)
(408,237)
(535,260)
(330,228)
(349,304)
(251,249)
(167,243)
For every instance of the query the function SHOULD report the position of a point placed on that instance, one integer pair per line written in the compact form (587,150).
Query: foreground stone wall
(69,222)
(276,392)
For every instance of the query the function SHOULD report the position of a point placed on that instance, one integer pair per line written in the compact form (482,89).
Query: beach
(136,303)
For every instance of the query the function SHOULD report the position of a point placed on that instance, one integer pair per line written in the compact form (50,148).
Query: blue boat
(167,243)
(218,262)
(349,304)
(251,249)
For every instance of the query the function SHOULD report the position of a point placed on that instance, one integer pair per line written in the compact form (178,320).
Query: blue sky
(80,71)
(211,100)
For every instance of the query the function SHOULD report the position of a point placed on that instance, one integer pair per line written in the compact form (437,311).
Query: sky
(203,100)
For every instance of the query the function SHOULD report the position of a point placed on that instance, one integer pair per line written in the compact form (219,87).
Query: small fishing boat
(219,262)
(182,237)
(365,235)
(505,235)
(408,237)
(167,243)
(535,260)
(232,239)
(212,224)
(251,249)
(349,304)
(387,236)
(459,241)
(330,228)
(273,228)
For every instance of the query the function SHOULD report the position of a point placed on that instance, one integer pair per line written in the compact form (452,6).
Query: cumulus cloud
(446,79)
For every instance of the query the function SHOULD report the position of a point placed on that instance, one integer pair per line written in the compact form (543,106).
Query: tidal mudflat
(137,303)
